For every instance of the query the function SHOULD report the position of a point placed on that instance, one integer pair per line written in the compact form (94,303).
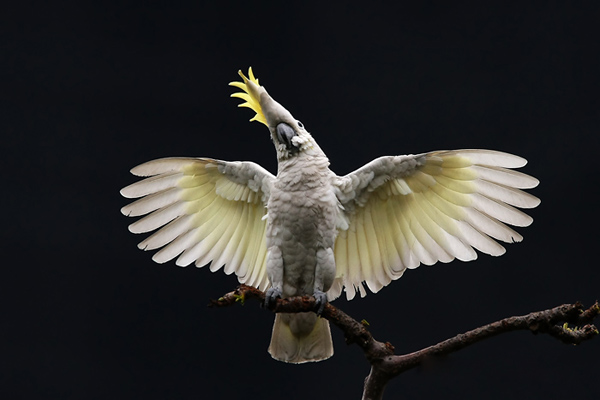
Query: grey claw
(321,300)
(271,295)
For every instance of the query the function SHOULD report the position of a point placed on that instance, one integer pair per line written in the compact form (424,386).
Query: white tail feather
(300,338)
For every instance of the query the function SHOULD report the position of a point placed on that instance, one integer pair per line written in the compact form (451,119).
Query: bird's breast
(302,208)
(299,224)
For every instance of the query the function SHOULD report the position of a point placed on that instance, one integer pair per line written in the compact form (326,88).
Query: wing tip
(493,158)
(133,228)
(128,193)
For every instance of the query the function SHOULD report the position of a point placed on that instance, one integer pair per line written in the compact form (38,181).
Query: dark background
(93,89)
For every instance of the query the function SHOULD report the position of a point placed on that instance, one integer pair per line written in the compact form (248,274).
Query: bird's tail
(299,338)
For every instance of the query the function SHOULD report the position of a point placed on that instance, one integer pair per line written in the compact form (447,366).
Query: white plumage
(309,231)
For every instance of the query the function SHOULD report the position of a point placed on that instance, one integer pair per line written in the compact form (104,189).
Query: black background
(93,89)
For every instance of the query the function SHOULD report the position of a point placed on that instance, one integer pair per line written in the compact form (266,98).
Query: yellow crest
(249,96)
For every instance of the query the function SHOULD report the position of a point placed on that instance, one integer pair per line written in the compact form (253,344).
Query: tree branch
(569,323)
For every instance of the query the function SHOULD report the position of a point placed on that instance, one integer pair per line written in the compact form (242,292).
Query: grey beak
(285,133)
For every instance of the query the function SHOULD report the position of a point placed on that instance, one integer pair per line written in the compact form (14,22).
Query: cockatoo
(308,231)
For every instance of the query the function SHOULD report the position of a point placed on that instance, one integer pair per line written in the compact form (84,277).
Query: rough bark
(569,323)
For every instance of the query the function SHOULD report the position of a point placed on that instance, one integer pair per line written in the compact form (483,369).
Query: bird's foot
(271,296)
(321,300)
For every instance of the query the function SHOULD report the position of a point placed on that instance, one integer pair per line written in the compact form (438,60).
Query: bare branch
(569,323)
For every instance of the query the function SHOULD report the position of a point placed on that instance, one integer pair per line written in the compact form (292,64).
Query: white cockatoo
(308,231)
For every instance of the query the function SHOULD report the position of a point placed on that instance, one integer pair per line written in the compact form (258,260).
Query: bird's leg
(271,295)
(275,274)
(321,300)
(324,276)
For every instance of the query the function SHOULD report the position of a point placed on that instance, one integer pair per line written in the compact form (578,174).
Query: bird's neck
(310,161)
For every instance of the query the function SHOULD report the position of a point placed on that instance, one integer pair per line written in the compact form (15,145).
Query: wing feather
(398,247)
(258,255)
(176,247)
(150,185)
(166,235)
(500,211)
(409,210)
(410,256)
(505,177)
(204,211)
(387,248)
(158,218)
(374,250)
(508,195)
(447,234)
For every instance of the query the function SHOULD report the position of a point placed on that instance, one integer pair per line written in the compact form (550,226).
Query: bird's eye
(300,125)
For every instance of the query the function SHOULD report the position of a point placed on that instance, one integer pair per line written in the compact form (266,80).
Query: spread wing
(204,210)
(438,206)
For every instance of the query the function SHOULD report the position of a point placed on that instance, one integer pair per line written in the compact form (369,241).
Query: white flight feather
(152,202)
(491,157)
(170,232)
(508,195)
(158,218)
(151,185)
(176,247)
(441,207)
(205,210)
(505,177)
(163,165)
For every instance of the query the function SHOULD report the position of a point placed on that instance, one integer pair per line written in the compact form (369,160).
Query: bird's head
(288,134)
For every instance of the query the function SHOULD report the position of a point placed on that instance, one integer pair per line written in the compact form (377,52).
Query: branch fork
(569,323)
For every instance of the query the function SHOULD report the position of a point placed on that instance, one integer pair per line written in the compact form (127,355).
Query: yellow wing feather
(201,215)
(450,204)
